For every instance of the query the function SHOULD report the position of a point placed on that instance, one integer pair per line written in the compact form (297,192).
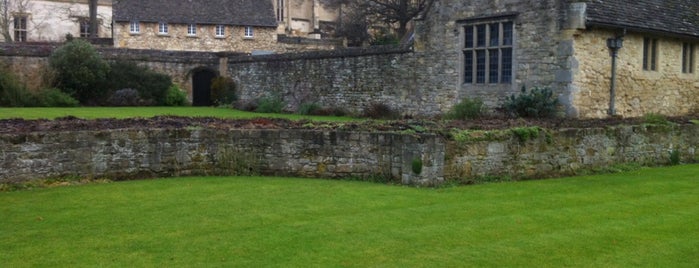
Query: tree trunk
(93,19)
(5,22)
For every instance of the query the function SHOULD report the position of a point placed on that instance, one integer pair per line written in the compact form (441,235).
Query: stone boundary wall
(568,151)
(298,43)
(132,153)
(352,78)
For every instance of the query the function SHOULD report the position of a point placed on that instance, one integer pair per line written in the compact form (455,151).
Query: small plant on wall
(417,165)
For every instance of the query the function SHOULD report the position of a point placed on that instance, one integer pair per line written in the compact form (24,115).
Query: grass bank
(146,112)
(646,217)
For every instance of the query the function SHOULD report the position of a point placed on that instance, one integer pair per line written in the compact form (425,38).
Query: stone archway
(201,86)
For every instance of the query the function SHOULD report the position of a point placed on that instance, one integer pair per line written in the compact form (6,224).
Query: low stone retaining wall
(568,151)
(125,154)
(131,153)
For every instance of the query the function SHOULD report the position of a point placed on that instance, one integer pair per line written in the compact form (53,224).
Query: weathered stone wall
(536,35)
(566,152)
(351,79)
(666,91)
(299,44)
(131,153)
(158,152)
(264,38)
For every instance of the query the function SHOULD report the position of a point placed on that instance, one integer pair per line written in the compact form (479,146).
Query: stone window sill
(163,35)
(248,38)
(220,37)
(134,33)
(192,36)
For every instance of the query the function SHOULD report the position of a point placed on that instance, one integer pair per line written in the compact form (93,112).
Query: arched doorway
(201,86)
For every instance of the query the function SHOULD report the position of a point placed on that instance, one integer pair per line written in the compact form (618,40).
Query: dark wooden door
(201,87)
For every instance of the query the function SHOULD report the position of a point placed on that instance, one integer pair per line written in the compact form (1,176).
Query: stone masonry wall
(124,154)
(352,79)
(536,52)
(264,38)
(131,153)
(566,152)
(666,91)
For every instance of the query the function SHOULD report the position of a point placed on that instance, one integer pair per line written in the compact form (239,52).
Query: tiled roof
(227,12)
(679,17)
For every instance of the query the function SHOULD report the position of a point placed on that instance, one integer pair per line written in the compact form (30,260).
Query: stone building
(195,25)
(52,20)
(490,49)
(306,18)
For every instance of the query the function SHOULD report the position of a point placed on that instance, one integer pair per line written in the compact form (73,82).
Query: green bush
(175,96)
(125,97)
(80,71)
(466,109)
(223,91)
(309,109)
(674,157)
(272,104)
(417,166)
(655,119)
(151,86)
(53,97)
(380,111)
(538,102)
(12,93)
(526,133)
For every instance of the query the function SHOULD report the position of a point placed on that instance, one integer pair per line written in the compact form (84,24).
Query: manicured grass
(648,217)
(145,112)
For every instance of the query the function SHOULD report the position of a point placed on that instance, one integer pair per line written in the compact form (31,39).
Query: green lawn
(131,112)
(647,218)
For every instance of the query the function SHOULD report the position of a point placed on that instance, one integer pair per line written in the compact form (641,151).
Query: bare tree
(392,12)
(7,9)
(400,12)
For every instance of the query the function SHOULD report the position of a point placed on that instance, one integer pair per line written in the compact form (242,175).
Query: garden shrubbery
(175,96)
(125,97)
(466,109)
(310,108)
(538,102)
(152,87)
(270,104)
(14,94)
(380,111)
(80,71)
(53,97)
(223,91)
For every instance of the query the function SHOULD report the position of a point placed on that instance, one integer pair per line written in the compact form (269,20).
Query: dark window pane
(507,33)
(506,76)
(480,66)
(480,38)
(653,53)
(468,67)
(646,49)
(494,61)
(468,36)
(685,57)
(494,34)
(691,58)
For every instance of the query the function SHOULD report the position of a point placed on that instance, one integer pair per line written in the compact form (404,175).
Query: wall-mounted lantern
(614,44)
